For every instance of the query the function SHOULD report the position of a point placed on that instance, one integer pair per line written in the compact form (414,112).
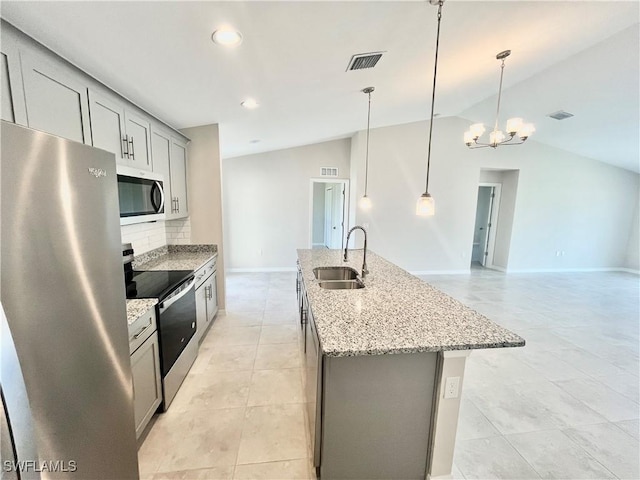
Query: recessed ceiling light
(250,103)
(227,37)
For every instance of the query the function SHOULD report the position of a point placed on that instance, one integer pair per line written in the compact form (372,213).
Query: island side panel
(446,413)
(376,416)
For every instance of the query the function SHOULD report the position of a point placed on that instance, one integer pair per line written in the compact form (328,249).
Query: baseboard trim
(261,270)
(440,272)
(572,270)
(630,270)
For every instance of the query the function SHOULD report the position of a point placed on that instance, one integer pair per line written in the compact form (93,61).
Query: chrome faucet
(364,258)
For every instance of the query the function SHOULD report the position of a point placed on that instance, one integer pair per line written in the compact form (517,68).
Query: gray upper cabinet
(12,99)
(170,160)
(139,141)
(7,103)
(178,179)
(161,153)
(56,103)
(107,125)
(116,129)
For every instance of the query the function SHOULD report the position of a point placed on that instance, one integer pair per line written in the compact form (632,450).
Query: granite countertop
(396,312)
(138,307)
(176,257)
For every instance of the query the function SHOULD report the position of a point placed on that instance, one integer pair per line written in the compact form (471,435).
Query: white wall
(266,199)
(563,201)
(204,179)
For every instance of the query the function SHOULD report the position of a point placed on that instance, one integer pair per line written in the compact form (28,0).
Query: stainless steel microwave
(141,196)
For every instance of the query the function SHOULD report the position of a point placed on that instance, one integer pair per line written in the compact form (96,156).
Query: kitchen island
(384,369)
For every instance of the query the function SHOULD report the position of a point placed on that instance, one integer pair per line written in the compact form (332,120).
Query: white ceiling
(578,56)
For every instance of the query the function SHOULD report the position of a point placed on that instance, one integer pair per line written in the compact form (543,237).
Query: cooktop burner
(155,283)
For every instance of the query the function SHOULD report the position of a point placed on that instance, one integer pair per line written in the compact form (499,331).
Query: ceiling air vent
(560,115)
(364,60)
(329,171)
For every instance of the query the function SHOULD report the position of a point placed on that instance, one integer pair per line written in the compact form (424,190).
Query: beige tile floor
(565,406)
(240,413)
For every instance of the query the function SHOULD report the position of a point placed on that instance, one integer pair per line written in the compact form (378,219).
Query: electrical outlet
(557,253)
(451,387)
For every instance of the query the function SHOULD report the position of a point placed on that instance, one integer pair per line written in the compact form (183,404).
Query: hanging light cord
(366,169)
(495,127)
(433,94)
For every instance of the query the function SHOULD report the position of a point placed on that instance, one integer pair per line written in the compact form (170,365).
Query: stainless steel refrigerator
(67,393)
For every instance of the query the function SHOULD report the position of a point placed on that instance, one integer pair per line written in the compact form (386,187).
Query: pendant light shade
(426,206)
(365,201)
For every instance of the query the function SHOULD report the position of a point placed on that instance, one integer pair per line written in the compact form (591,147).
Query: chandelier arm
(433,94)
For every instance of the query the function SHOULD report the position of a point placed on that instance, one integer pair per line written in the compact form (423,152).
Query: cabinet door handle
(178,204)
(137,335)
(125,149)
(133,155)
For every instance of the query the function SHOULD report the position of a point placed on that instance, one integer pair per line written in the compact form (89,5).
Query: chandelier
(515,126)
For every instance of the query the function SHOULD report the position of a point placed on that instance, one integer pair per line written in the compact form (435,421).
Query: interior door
(328,217)
(487,230)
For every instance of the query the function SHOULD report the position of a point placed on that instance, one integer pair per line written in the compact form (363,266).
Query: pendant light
(365,201)
(426,206)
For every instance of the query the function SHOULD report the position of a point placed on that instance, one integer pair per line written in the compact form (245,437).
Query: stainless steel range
(176,314)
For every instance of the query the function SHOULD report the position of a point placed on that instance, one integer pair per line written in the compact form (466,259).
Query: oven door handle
(164,305)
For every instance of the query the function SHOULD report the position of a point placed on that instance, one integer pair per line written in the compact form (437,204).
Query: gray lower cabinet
(370,415)
(206,297)
(56,102)
(145,369)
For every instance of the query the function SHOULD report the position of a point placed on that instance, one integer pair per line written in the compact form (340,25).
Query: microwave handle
(158,185)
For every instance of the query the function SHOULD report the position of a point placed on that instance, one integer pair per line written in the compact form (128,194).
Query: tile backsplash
(178,231)
(145,237)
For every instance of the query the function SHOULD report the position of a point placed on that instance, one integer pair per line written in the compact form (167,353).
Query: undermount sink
(341,284)
(335,273)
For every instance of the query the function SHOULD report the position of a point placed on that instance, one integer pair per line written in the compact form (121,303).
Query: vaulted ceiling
(582,57)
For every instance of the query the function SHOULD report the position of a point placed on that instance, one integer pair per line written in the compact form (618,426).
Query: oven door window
(139,196)
(177,326)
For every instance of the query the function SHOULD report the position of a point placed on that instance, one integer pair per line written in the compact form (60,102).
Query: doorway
(328,212)
(484,234)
